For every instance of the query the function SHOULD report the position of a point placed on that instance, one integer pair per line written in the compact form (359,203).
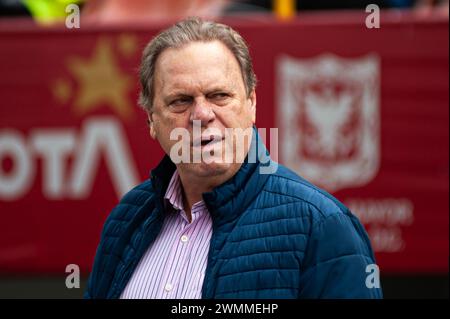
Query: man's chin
(212,169)
(208,169)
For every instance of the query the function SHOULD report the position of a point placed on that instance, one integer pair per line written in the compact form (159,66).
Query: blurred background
(359,92)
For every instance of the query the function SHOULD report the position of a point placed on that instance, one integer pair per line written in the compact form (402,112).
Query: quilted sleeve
(339,262)
(95,275)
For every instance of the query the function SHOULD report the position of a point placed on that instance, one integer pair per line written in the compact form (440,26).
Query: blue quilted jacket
(274,236)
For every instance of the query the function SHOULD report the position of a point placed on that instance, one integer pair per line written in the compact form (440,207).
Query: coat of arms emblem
(328,115)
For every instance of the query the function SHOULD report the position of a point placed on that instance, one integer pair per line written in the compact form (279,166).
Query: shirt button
(184,238)
(168,287)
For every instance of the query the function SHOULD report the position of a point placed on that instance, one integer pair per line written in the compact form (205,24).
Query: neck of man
(194,186)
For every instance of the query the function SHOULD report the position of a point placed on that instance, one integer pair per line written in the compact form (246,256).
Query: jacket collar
(228,200)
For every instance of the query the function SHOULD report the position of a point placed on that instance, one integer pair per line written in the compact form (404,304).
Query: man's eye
(219,96)
(180,102)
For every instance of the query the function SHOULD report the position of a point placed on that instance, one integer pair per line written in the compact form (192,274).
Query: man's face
(201,82)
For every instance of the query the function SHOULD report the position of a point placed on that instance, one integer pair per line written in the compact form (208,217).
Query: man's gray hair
(184,32)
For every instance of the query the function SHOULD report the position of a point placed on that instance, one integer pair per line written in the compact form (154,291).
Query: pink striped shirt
(174,265)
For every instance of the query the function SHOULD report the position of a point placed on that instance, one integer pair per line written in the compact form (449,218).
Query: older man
(222,228)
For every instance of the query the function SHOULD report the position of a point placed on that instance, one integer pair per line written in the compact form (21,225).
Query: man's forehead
(197,63)
(195,54)
(194,47)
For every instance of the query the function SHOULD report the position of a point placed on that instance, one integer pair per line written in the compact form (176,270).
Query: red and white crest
(328,115)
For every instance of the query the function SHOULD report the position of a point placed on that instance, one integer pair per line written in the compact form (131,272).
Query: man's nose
(202,111)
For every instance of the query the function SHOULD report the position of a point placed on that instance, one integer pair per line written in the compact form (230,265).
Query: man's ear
(151,125)
(252,101)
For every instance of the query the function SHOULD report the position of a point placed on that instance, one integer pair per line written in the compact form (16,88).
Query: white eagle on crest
(328,113)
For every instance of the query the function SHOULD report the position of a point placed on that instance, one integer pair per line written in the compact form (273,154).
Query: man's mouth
(206,140)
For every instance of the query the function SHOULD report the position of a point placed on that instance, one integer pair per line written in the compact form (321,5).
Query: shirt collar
(174,192)
(174,197)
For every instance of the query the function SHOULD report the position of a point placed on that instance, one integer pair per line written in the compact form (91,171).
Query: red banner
(361,112)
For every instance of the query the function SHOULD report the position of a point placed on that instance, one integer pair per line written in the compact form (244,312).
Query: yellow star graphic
(101,82)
